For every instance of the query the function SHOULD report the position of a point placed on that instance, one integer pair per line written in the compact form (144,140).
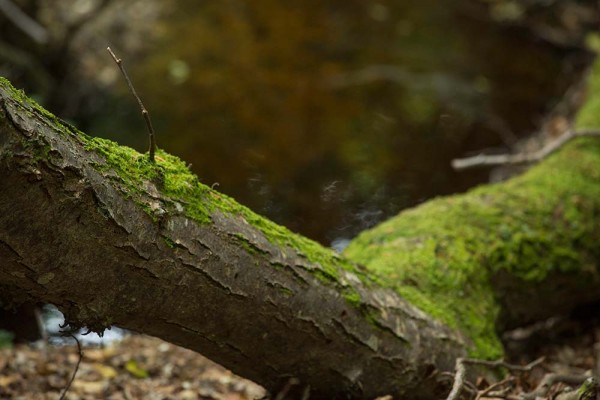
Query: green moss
(169,242)
(180,189)
(246,244)
(441,256)
(589,115)
(21,98)
(324,277)
(199,201)
(352,297)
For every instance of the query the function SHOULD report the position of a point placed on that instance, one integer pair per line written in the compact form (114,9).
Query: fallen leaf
(134,369)
(7,380)
(90,387)
(106,371)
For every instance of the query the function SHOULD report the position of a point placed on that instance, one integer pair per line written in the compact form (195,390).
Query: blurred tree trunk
(95,229)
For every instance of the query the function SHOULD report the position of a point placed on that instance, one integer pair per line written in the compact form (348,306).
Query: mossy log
(113,239)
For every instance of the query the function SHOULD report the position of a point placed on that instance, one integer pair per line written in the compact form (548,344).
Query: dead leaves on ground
(139,367)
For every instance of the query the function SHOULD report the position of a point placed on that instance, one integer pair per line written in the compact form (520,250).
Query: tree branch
(113,239)
(482,160)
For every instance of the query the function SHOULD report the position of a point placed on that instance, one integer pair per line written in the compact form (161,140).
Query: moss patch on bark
(442,255)
(170,183)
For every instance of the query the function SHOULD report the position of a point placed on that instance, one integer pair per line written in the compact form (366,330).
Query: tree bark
(73,235)
(113,239)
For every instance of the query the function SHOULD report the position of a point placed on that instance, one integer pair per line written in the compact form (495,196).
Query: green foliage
(136,370)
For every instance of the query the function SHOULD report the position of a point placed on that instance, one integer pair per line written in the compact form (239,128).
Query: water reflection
(331,116)
(326,116)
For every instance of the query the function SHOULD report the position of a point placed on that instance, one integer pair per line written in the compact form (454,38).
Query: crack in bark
(147,272)
(9,116)
(214,281)
(197,290)
(131,249)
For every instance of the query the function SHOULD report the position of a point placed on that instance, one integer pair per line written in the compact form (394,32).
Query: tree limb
(78,229)
(111,238)
(483,160)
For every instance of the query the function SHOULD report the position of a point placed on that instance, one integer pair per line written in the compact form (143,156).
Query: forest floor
(137,367)
(141,367)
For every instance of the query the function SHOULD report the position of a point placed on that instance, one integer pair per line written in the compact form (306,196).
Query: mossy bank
(446,255)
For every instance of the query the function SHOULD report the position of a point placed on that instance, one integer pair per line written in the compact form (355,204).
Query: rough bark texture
(111,239)
(71,235)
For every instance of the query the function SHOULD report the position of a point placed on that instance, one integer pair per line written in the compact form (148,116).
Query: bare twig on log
(64,393)
(145,113)
(483,160)
(461,370)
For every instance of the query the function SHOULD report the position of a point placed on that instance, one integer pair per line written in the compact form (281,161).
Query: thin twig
(493,387)
(459,379)
(461,370)
(145,113)
(483,160)
(468,386)
(64,393)
(502,364)
(550,379)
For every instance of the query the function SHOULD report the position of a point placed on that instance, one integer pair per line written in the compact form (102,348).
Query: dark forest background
(325,116)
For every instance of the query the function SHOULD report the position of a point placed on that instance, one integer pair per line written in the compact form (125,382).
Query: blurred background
(327,116)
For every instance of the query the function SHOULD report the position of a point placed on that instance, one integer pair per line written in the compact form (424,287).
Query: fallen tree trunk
(113,239)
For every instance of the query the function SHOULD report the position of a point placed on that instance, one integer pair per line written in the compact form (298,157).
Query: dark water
(330,116)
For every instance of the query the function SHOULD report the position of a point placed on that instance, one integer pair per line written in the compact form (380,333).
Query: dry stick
(461,370)
(64,393)
(459,379)
(482,160)
(503,364)
(493,387)
(549,380)
(468,386)
(145,113)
